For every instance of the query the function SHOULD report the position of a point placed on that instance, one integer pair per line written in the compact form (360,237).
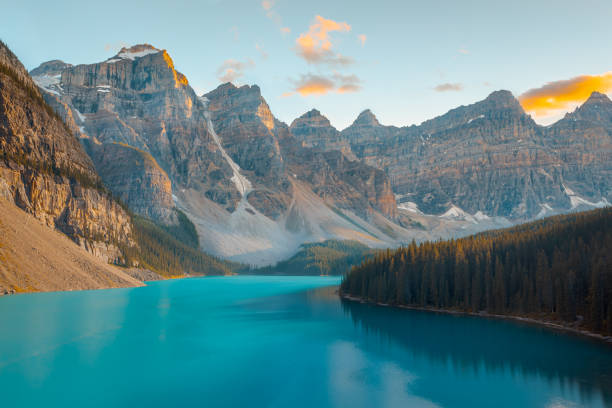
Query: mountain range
(257,189)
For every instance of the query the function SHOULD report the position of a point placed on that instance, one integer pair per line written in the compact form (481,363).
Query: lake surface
(280,342)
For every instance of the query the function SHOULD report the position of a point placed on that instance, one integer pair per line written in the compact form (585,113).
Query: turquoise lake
(280,342)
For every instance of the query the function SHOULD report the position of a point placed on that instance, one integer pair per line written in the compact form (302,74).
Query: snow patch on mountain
(545,211)
(80,115)
(49,83)
(576,200)
(243,184)
(410,206)
(476,118)
(480,216)
(132,55)
(457,213)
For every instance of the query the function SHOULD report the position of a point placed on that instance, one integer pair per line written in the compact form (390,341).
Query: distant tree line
(559,268)
(331,257)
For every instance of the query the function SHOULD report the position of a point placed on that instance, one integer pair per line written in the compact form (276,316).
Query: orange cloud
(315,46)
(268,6)
(314,85)
(285,30)
(564,94)
(320,85)
(362,39)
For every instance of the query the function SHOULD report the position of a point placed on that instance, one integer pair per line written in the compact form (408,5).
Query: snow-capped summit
(133,52)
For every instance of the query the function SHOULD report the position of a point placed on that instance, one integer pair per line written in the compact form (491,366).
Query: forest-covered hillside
(331,257)
(559,268)
(173,251)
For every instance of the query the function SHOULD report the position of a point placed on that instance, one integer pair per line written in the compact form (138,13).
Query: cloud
(315,45)
(362,39)
(262,52)
(285,30)
(268,6)
(446,87)
(311,84)
(564,94)
(464,51)
(232,69)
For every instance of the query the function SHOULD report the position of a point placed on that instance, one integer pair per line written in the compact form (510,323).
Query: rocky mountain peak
(53,67)
(247,99)
(502,98)
(136,51)
(598,97)
(311,119)
(366,118)
(598,108)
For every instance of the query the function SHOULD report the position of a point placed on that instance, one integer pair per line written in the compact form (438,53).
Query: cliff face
(583,142)
(270,154)
(135,177)
(492,158)
(314,130)
(246,129)
(45,171)
(34,257)
(139,99)
(348,184)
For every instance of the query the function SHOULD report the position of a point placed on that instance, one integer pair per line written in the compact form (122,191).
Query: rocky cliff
(492,159)
(45,171)
(314,130)
(583,143)
(134,177)
(139,99)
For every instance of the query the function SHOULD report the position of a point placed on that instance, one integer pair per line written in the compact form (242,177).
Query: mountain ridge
(226,154)
(235,170)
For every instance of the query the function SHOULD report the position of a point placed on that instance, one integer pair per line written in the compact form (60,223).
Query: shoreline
(529,320)
(156,278)
(13,292)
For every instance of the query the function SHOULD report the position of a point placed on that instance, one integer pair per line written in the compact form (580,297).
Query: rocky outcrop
(270,154)
(492,158)
(345,183)
(315,130)
(582,140)
(35,258)
(45,171)
(246,128)
(134,177)
(139,99)
(366,135)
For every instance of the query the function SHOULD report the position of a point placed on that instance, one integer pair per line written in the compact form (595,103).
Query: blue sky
(408,61)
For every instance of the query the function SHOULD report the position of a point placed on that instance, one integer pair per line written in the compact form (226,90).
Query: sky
(407,61)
